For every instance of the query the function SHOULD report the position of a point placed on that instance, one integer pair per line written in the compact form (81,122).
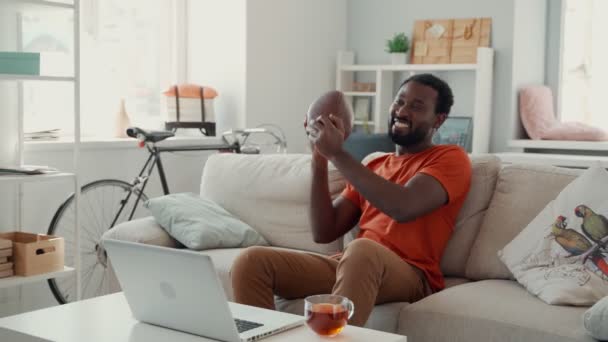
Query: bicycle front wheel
(100,202)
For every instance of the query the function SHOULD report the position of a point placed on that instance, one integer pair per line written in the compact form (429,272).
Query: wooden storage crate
(35,253)
(6,253)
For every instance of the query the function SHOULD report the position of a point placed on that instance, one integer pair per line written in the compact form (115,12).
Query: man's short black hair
(445,98)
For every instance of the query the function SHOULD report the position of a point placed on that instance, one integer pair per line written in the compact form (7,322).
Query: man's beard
(412,138)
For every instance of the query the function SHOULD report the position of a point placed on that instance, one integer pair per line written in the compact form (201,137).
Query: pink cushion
(538,118)
(536,110)
(575,131)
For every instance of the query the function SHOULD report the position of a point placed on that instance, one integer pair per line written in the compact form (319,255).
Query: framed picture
(362,108)
(455,131)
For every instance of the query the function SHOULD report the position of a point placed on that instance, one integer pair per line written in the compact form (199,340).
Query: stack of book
(6,254)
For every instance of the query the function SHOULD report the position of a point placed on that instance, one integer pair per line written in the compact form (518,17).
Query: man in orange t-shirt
(406,204)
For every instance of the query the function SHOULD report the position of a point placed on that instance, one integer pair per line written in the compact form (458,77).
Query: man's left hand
(327,135)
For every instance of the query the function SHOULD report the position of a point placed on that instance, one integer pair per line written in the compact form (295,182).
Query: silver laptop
(180,290)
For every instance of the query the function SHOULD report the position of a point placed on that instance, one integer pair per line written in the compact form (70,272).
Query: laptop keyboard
(243,325)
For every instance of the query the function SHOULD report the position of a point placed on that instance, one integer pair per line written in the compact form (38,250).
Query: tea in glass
(327,315)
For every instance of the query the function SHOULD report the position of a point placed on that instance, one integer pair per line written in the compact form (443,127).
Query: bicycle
(108,202)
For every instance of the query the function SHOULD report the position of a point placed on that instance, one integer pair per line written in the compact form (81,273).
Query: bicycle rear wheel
(100,202)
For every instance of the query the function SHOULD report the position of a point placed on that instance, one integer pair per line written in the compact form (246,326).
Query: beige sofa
(481,301)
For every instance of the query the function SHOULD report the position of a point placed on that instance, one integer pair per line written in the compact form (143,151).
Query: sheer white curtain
(584,69)
(128,51)
(126,54)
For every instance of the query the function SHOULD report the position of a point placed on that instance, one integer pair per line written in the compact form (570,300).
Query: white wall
(291,56)
(217,55)
(552,56)
(528,55)
(370,23)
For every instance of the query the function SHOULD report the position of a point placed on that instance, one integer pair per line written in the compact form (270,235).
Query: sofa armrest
(144,230)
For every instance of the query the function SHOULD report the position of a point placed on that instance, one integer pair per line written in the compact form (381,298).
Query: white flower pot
(399,58)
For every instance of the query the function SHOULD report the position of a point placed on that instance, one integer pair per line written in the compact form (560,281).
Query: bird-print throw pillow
(562,255)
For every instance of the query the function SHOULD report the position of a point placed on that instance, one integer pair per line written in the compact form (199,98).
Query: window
(128,51)
(584,62)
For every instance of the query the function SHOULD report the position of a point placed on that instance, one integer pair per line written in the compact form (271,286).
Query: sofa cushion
(270,193)
(142,230)
(547,257)
(485,170)
(595,320)
(522,191)
(199,223)
(490,310)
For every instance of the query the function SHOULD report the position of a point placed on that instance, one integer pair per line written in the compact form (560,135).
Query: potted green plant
(398,47)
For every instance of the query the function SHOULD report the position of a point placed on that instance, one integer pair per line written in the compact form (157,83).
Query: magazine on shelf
(26,170)
(50,134)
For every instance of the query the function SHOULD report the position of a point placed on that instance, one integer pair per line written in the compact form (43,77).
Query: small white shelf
(13,77)
(36,178)
(18,280)
(560,144)
(408,67)
(360,93)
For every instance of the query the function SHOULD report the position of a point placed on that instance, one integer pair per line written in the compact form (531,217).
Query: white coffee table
(109,318)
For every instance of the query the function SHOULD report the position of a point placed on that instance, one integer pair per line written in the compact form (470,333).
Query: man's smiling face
(412,114)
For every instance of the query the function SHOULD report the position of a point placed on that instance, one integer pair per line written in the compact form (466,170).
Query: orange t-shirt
(420,242)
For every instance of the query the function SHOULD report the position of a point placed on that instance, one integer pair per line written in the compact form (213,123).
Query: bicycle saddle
(149,136)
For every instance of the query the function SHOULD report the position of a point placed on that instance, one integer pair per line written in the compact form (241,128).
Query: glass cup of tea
(328,314)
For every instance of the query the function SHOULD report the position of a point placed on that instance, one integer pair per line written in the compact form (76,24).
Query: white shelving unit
(18,281)
(19,180)
(383,96)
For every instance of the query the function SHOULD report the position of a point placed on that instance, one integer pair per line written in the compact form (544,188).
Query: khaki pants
(367,273)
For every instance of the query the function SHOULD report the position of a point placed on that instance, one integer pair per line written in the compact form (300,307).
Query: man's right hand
(316,156)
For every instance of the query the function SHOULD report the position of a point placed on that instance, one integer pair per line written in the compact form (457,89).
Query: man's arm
(329,220)
(421,195)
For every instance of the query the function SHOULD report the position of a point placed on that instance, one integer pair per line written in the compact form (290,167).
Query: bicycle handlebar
(239,137)
(148,136)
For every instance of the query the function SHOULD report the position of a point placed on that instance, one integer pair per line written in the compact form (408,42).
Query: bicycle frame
(155,160)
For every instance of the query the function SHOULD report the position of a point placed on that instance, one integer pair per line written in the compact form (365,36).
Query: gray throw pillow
(595,320)
(199,223)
